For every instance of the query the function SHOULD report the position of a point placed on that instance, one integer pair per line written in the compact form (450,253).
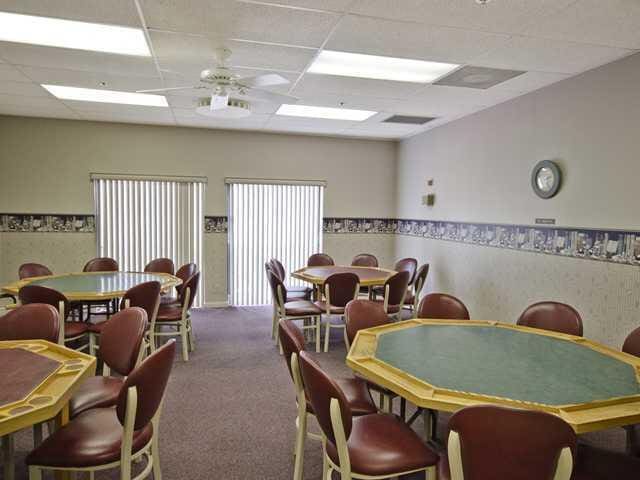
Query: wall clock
(546,178)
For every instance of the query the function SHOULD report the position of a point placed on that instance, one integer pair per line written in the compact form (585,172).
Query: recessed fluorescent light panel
(348,64)
(54,32)
(324,112)
(106,96)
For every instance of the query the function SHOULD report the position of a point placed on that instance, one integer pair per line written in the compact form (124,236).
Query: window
(270,219)
(140,218)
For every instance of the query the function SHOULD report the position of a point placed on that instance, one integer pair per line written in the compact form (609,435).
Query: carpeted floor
(229,413)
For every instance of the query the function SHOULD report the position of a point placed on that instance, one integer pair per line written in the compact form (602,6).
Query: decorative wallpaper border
(617,246)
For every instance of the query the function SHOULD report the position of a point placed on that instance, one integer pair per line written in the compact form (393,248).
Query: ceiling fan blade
(170,89)
(266,80)
(219,102)
(272,97)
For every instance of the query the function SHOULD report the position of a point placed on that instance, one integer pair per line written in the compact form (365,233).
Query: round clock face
(545,179)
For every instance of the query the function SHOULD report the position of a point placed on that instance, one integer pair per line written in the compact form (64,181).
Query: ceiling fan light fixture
(235,109)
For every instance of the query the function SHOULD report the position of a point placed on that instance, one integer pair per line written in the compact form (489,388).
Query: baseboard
(216,304)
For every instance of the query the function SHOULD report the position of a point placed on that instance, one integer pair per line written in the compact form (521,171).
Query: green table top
(507,363)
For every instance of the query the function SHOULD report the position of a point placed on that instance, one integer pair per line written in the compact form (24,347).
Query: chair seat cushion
(92,438)
(169,313)
(299,308)
(357,394)
(598,464)
(390,308)
(97,327)
(382,445)
(73,329)
(322,305)
(95,392)
(167,300)
(409,297)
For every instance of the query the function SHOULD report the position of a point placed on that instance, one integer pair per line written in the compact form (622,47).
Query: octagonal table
(447,365)
(369,276)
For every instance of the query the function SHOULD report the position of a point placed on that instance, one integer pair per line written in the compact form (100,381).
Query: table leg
(60,421)
(7,457)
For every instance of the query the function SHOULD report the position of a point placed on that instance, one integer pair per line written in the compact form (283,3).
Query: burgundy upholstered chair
(413,295)
(496,443)
(102,438)
(292,310)
(364,260)
(339,289)
(69,331)
(403,265)
(301,292)
(377,445)
(395,291)
(30,270)
(356,392)
(30,322)
(598,464)
(361,314)
(160,265)
(184,273)
(101,264)
(441,306)
(144,295)
(553,316)
(631,346)
(176,318)
(320,260)
(121,341)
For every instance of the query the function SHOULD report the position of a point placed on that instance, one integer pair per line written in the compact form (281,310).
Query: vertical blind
(270,220)
(138,220)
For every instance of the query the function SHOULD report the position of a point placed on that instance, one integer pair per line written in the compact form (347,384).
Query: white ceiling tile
(267,57)
(115,12)
(62,58)
(528,53)
(79,78)
(126,114)
(411,40)
(194,16)
(55,111)
(24,89)
(496,16)
(98,107)
(312,83)
(614,23)
(253,122)
(36,102)
(182,102)
(391,129)
(530,81)
(308,122)
(328,5)
(358,102)
(11,74)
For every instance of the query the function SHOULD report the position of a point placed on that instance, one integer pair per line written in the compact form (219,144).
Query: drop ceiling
(548,39)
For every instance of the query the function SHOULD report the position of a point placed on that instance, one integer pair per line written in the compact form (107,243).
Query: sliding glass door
(270,219)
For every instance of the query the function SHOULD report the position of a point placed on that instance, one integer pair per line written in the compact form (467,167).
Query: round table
(369,276)
(447,365)
(91,286)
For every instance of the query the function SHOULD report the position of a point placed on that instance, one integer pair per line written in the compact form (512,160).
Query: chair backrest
(341,288)
(192,285)
(160,265)
(407,265)
(397,284)
(420,279)
(319,260)
(278,268)
(494,443)
(321,388)
(121,339)
(361,314)
(101,264)
(553,316)
(144,295)
(291,339)
(442,307)
(29,270)
(39,294)
(276,284)
(36,321)
(184,273)
(632,343)
(150,379)
(364,260)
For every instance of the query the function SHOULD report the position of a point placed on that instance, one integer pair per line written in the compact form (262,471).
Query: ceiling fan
(226,87)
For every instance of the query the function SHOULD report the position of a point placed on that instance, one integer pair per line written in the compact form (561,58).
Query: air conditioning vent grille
(408,119)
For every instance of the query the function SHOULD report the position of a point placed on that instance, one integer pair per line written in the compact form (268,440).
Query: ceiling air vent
(478,77)
(412,120)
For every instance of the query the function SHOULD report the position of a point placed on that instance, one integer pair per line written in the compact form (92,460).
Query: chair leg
(7,454)
(326,471)
(426,418)
(346,338)
(318,332)
(37,435)
(274,324)
(155,457)
(403,409)
(185,342)
(192,338)
(34,473)
(92,344)
(431,473)
(301,435)
(327,334)
(91,475)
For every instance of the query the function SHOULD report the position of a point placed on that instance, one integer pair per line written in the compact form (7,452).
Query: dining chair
(364,260)
(403,265)
(593,463)
(413,295)
(374,446)
(361,314)
(30,270)
(106,438)
(320,260)
(121,342)
(184,273)
(395,291)
(339,289)
(356,391)
(100,264)
(552,316)
(304,310)
(176,319)
(69,331)
(631,346)
(160,265)
(496,443)
(144,295)
(301,292)
(441,306)
(36,321)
